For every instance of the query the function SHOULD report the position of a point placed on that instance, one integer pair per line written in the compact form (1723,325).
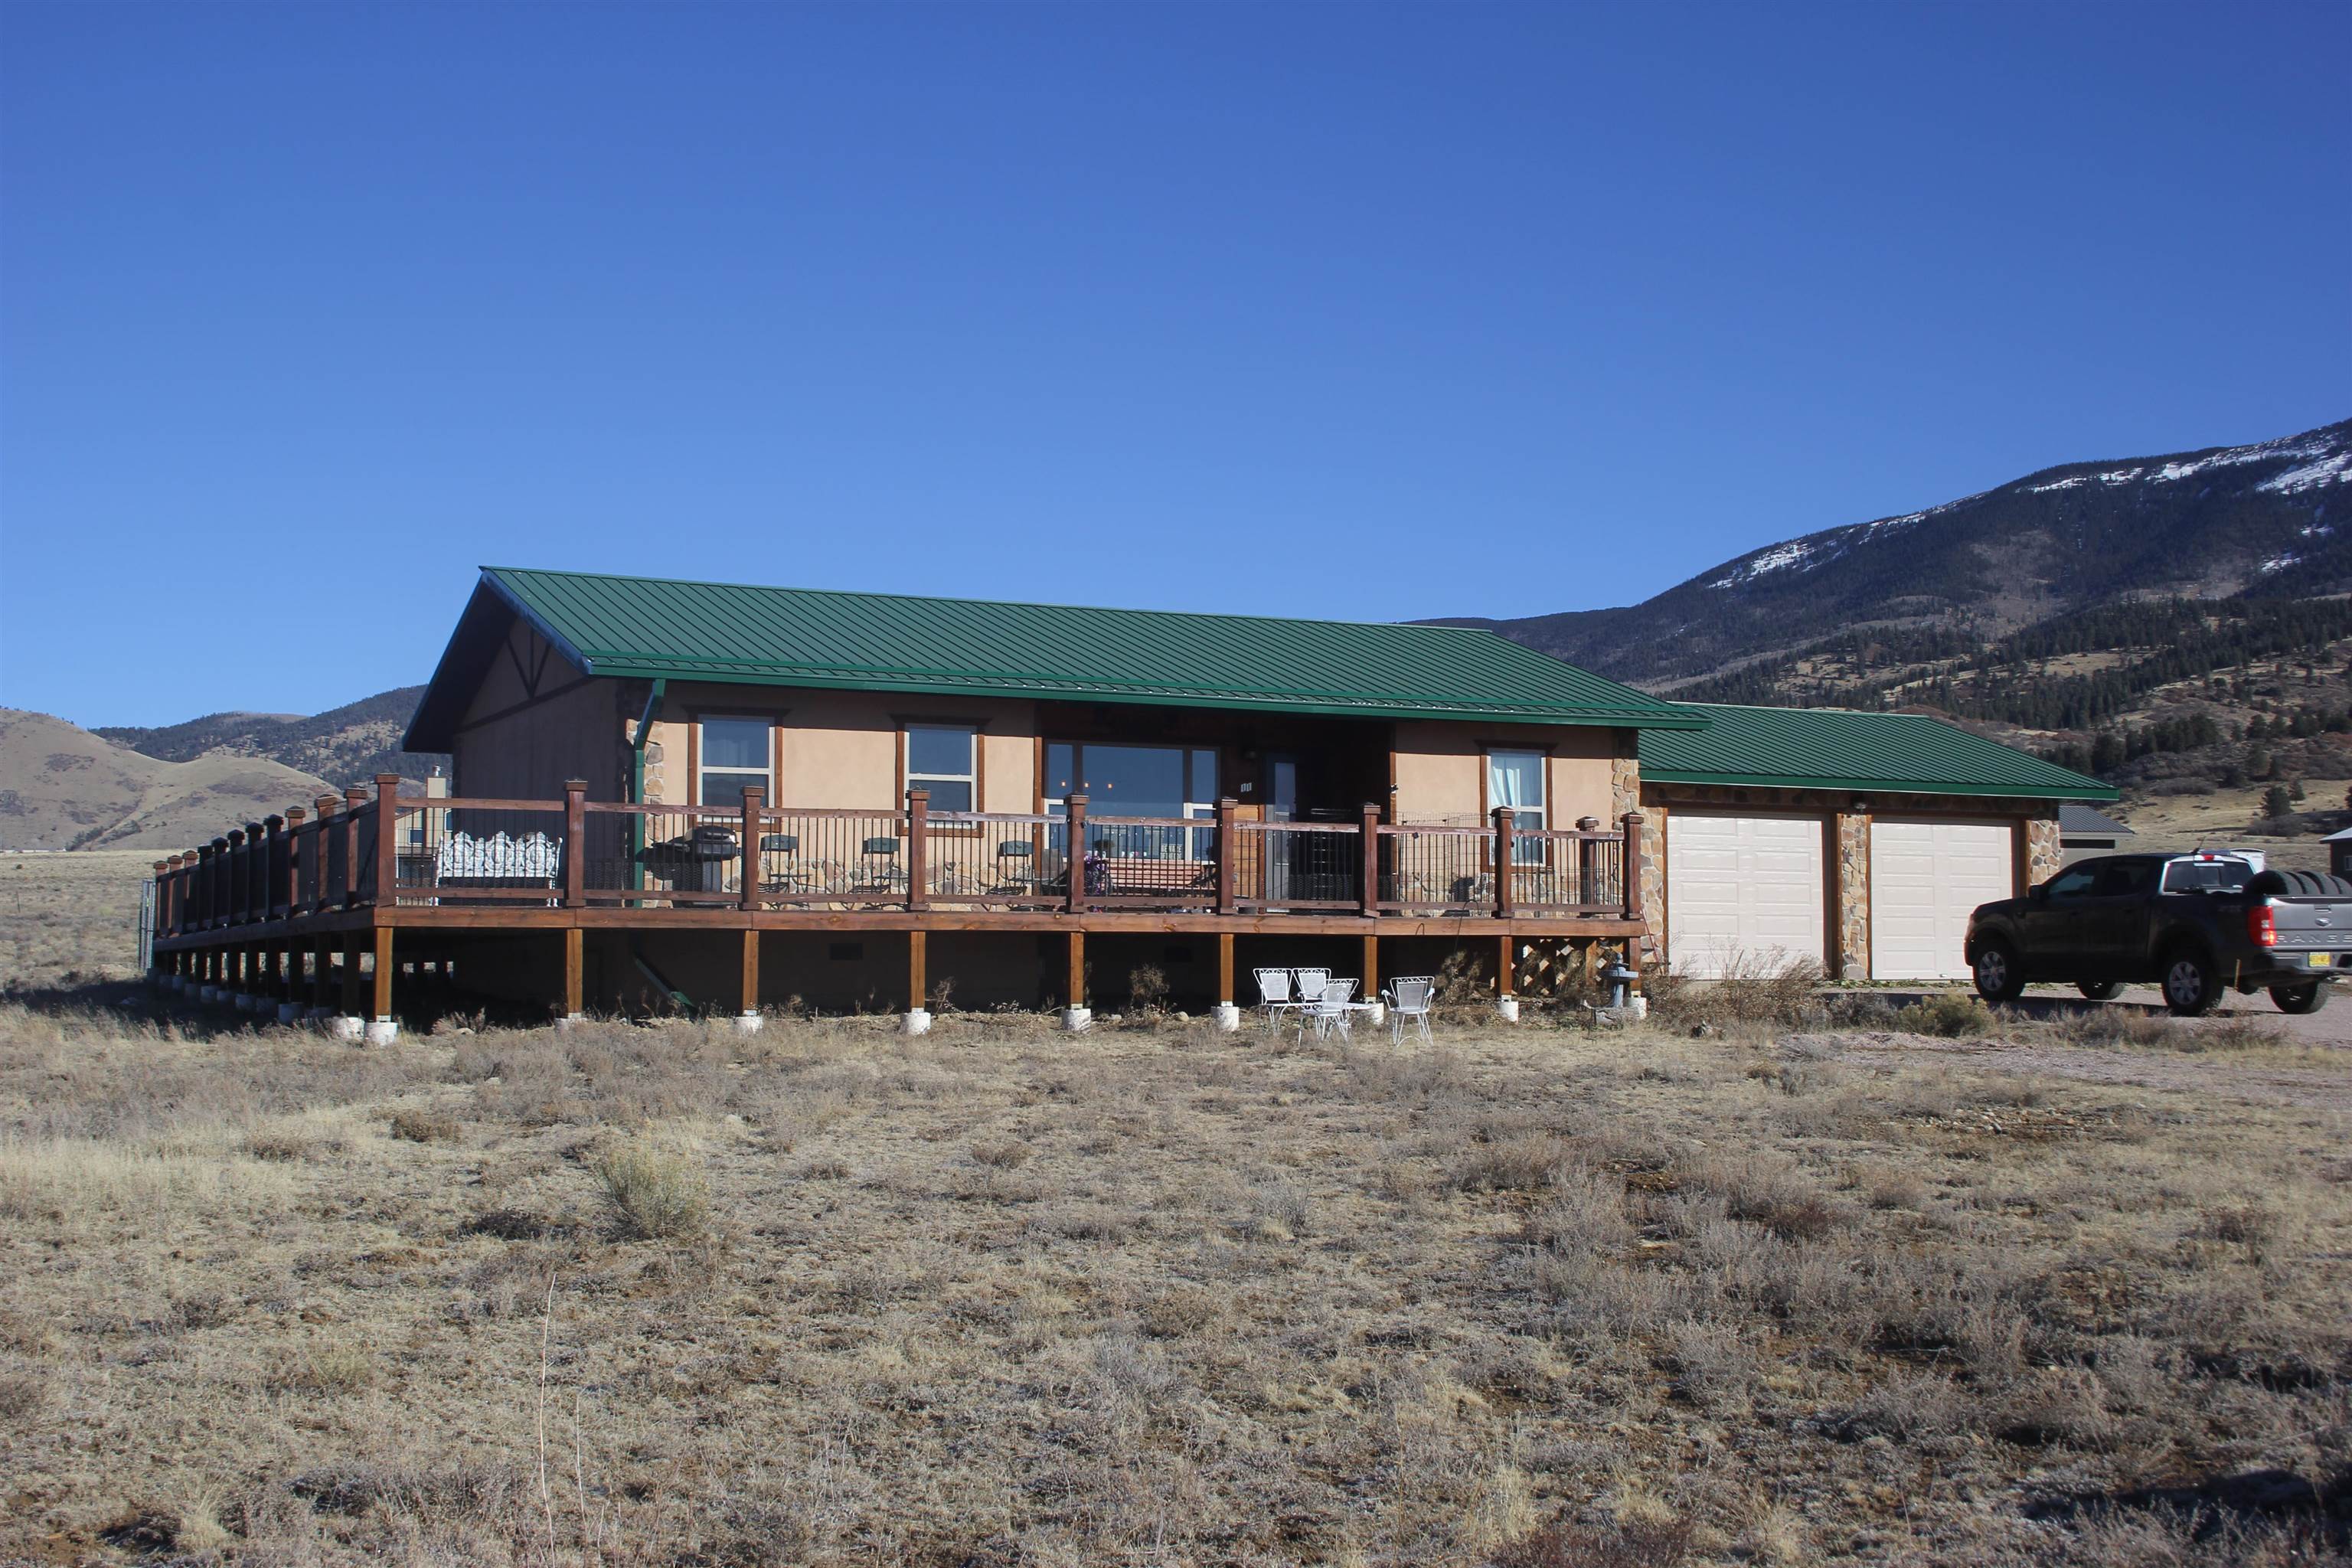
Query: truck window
(2127,879)
(2075,882)
(2223,876)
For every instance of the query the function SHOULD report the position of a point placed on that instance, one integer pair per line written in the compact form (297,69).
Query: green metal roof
(649,628)
(1840,748)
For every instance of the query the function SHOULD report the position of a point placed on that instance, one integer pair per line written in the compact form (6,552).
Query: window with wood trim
(1516,779)
(730,753)
(943,759)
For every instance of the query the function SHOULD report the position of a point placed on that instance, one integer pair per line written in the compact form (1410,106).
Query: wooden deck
(304,908)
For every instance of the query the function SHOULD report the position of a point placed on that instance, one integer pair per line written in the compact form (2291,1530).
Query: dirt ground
(1812,1290)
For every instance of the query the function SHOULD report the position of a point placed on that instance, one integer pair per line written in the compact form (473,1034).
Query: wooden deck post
(1229,844)
(387,849)
(1074,808)
(383,967)
(322,847)
(918,980)
(574,970)
(1503,849)
(235,903)
(918,852)
(1077,982)
(748,896)
(354,997)
(354,798)
(273,828)
(254,887)
(1505,973)
(1368,894)
(575,850)
(1632,865)
(1371,966)
(1225,968)
(295,859)
(747,988)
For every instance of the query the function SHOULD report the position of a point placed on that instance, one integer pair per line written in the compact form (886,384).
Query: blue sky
(1340,311)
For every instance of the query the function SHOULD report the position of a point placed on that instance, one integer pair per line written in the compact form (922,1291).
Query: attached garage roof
(1840,749)
(651,628)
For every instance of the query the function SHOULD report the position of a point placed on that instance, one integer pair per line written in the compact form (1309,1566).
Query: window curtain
(1515,779)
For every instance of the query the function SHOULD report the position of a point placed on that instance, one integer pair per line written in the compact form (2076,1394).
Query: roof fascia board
(1880,786)
(1596,717)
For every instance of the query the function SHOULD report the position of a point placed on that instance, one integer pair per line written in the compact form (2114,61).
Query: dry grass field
(1792,1290)
(70,915)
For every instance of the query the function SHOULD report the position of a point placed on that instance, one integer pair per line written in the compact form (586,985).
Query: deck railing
(356,851)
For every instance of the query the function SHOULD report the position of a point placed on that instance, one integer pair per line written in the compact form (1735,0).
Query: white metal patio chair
(1330,1010)
(1274,997)
(1409,997)
(1310,983)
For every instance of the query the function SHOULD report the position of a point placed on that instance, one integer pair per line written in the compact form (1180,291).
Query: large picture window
(940,758)
(1516,779)
(1139,781)
(733,753)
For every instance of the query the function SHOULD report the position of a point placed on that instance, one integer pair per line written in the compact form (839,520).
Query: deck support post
(1229,1014)
(1371,966)
(322,976)
(575,976)
(919,1017)
(748,1018)
(1368,892)
(383,1028)
(1078,1014)
(1506,1006)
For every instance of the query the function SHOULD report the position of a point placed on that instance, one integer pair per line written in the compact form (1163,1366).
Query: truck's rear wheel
(2000,976)
(2100,990)
(2308,997)
(2192,986)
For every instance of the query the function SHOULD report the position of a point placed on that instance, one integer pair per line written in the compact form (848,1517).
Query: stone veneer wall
(1851,961)
(2044,854)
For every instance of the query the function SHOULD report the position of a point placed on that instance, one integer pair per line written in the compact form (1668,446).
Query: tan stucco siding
(839,750)
(1440,770)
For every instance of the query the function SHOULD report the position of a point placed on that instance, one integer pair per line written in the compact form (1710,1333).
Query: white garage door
(1742,891)
(1925,877)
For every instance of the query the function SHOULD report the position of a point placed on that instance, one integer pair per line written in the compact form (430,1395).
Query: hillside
(62,787)
(2224,521)
(350,745)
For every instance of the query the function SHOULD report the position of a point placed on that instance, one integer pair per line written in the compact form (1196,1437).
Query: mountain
(2247,521)
(62,787)
(350,745)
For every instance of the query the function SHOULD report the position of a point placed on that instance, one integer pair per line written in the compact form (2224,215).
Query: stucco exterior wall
(1441,769)
(839,750)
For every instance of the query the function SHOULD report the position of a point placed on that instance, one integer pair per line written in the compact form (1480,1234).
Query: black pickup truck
(2195,924)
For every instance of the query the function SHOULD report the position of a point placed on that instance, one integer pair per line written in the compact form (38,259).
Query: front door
(1281,806)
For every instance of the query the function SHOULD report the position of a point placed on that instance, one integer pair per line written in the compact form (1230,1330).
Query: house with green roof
(1859,842)
(732,796)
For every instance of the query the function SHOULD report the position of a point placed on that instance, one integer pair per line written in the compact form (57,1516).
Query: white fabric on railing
(535,858)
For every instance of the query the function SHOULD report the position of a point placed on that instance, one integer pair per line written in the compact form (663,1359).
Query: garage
(1744,890)
(1925,877)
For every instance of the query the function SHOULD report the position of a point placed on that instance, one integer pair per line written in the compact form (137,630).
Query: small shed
(2085,830)
(2339,852)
